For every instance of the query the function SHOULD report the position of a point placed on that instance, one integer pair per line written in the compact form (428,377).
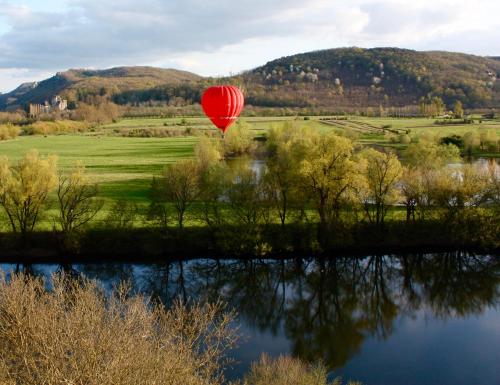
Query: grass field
(124,166)
(367,127)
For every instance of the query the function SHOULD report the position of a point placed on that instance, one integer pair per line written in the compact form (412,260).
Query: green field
(124,166)
(365,126)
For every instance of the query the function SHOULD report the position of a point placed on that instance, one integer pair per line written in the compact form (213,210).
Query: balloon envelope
(223,105)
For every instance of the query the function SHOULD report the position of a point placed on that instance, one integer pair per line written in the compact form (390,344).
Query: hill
(356,77)
(333,78)
(369,77)
(79,84)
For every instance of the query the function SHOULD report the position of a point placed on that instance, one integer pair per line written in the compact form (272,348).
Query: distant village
(56,104)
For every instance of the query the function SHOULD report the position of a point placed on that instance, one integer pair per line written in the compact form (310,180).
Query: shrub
(12,117)
(287,371)
(122,216)
(156,132)
(238,139)
(56,127)
(8,131)
(453,139)
(404,138)
(76,334)
(389,136)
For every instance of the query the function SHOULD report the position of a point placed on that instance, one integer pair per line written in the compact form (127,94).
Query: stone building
(56,104)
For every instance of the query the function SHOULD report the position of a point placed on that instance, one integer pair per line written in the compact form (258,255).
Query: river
(383,320)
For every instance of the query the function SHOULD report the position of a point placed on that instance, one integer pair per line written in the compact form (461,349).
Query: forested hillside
(343,77)
(364,77)
(80,85)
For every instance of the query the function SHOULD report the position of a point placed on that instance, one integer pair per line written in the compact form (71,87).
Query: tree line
(312,180)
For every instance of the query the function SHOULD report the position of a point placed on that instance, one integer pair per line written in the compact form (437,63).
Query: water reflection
(326,308)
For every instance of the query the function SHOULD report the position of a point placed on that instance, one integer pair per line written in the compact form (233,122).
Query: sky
(220,37)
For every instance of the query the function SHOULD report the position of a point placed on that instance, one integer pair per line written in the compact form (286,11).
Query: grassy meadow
(368,128)
(123,166)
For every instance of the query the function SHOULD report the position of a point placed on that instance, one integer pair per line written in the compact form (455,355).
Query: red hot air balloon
(223,105)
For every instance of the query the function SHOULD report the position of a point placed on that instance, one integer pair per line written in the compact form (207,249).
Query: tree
(207,153)
(460,193)
(180,186)
(458,110)
(411,190)
(471,142)
(78,203)
(488,140)
(100,112)
(329,173)
(238,139)
(213,179)
(437,106)
(214,185)
(428,154)
(287,147)
(24,189)
(244,196)
(122,215)
(383,172)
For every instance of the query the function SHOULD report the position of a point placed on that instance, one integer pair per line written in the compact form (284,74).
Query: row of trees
(310,177)
(308,170)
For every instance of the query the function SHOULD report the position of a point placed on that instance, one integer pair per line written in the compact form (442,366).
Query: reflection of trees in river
(458,284)
(328,307)
(325,307)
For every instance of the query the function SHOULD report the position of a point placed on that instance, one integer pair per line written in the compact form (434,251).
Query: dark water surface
(383,320)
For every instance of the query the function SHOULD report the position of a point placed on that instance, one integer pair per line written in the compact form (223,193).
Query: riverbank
(269,241)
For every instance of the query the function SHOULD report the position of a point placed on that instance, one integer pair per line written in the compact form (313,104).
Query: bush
(453,139)
(404,138)
(156,132)
(8,131)
(12,117)
(238,139)
(287,371)
(76,334)
(445,122)
(56,127)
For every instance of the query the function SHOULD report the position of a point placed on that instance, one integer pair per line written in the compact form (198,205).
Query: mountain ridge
(351,77)
(379,76)
(74,83)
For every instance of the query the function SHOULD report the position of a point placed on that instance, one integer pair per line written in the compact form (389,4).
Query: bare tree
(78,203)
(383,171)
(180,186)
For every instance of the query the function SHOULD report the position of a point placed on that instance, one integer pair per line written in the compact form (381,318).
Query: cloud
(220,36)
(98,33)
(11,78)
